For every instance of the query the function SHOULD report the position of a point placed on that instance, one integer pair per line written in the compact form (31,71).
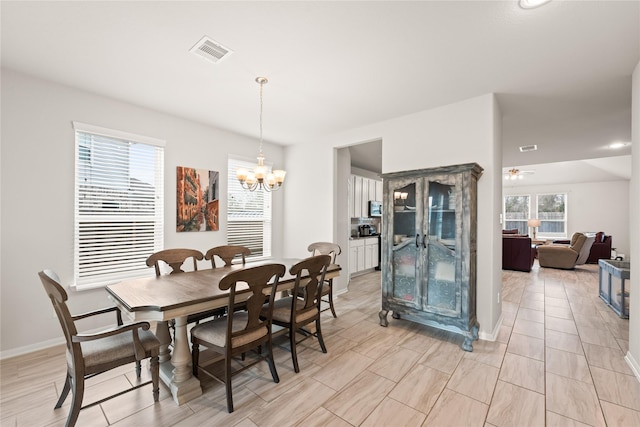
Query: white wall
(37,193)
(633,356)
(592,206)
(459,133)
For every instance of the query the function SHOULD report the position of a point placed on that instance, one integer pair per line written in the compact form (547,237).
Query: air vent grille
(210,50)
(526,148)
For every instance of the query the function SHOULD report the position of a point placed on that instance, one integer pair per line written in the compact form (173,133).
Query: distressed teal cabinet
(429,248)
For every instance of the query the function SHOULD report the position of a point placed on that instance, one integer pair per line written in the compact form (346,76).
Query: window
(552,213)
(248,214)
(119,205)
(516,213)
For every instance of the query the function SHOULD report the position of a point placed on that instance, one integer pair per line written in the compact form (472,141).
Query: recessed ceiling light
(532,4)
(617,145)
(526,148)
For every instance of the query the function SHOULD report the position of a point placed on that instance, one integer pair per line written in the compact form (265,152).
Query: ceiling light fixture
(532,4)
(260,177)
(513,174)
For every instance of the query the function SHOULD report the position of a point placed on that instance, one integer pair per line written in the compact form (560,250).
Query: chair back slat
(174,258)
(227,253)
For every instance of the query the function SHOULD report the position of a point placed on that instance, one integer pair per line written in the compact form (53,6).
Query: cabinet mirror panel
(443,289)
(404,249)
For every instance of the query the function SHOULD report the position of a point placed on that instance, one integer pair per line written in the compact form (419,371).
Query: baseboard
(494,334)
(633,364)
(31,348)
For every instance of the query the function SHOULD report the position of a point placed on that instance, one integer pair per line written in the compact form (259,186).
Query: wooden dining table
(176,296)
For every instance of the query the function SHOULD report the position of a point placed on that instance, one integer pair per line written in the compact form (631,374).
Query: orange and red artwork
(197,200)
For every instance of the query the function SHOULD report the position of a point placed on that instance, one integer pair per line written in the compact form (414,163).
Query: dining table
(174,297)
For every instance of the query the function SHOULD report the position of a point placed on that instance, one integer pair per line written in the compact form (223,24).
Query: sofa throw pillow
(599,237)
(511,231)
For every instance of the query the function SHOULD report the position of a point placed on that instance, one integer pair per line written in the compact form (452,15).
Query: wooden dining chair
(227,253)
(295,312)
(175,258)
(333,250)
(92,354)
(242,331)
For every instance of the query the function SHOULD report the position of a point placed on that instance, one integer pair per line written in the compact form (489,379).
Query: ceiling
(561,72)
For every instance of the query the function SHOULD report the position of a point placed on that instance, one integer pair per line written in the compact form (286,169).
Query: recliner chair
(566,257)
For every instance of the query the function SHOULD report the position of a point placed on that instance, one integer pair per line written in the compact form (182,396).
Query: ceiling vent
(210,50)
(526,148)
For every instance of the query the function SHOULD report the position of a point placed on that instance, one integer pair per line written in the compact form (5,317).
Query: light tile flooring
(558,361)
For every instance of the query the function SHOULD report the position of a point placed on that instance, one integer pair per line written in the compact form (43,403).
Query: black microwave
(375,208)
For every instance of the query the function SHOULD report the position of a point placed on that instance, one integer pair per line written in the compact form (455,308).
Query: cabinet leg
(470,337)
(383,317)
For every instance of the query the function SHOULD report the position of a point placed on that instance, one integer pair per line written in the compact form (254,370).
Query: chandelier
(260,177)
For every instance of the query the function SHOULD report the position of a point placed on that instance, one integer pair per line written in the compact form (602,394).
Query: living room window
(516,213)
(248,213)
(551,210)
(119,204)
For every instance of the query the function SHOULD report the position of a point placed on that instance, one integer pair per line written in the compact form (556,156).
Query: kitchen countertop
(363,237)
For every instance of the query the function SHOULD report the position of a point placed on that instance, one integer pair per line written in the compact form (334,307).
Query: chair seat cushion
(116,347)
(282,311)
(215,331)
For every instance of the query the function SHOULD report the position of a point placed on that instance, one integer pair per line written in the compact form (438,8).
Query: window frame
(551,235)
(525,230)
(148,222)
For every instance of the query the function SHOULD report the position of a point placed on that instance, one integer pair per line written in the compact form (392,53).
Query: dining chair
(175,258)
(241,331)
(333,250)
(90,354)
(227,253)
(302,308)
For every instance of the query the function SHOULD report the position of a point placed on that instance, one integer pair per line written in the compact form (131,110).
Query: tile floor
(558,361)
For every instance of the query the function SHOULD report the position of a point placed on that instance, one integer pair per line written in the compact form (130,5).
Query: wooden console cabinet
(429,248)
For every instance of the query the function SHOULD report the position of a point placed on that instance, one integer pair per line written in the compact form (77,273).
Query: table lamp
(534,223)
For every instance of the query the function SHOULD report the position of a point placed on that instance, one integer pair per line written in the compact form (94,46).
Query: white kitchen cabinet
(372,191)
(379,189)
(370,253)
(351,196)
(361,191)
(356,256)
(363,255)
(357,197)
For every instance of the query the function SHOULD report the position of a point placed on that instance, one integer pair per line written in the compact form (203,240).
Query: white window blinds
(248,214)
(119,205)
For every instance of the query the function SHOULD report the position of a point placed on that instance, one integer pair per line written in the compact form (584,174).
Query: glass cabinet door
(442,247)
(406,226)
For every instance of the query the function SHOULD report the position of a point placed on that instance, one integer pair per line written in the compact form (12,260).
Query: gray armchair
(566,257)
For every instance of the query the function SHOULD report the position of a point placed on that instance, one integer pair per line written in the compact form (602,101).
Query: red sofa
(517,252)
(601,248)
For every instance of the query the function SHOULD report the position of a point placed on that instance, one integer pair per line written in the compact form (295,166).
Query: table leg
(162,332)
(184,386)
